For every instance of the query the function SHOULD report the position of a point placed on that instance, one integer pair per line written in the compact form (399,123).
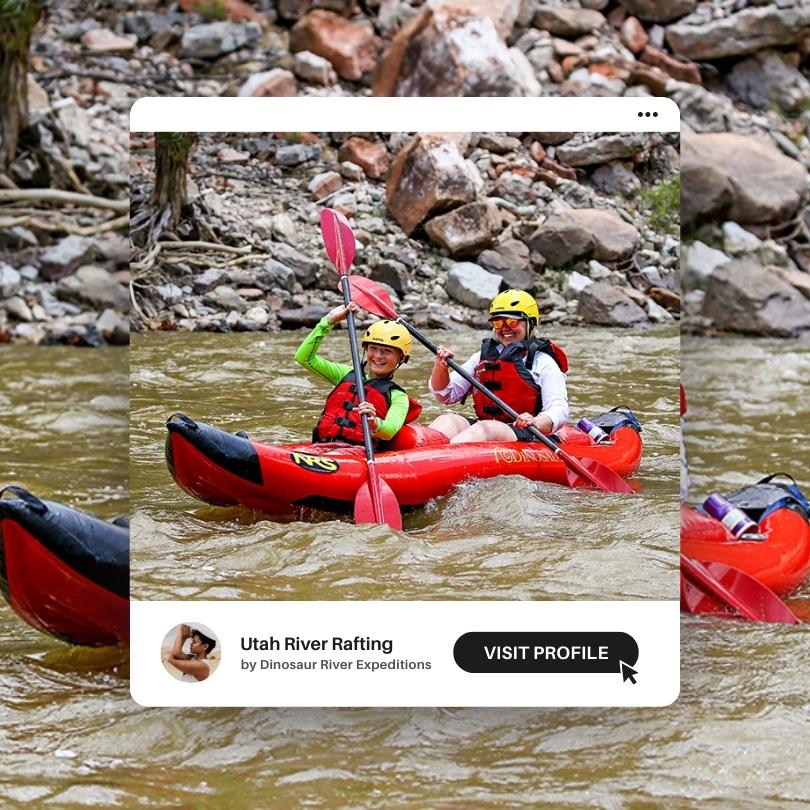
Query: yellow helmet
(515,302)
(390,333)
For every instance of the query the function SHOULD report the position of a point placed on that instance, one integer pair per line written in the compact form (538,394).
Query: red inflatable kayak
(224,469)
(780,561)
(63,571)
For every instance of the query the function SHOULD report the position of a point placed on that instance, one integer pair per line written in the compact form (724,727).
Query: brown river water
(506,538)
(70,736)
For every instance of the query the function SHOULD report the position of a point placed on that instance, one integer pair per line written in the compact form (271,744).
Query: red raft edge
(68,580)
(222,469)
(780,562)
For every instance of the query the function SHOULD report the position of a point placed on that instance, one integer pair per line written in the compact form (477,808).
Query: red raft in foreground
(779,558)
(63,571)
(225,470)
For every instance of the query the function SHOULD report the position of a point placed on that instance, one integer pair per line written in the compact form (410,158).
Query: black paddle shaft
(462,372)
(358,369)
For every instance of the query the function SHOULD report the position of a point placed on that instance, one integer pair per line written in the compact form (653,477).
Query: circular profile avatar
(190,652)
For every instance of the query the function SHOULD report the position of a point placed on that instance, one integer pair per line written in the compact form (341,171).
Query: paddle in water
(375,501)
(581,472)
(707,586)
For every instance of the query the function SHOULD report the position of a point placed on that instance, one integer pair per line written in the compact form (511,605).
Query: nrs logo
(315,463)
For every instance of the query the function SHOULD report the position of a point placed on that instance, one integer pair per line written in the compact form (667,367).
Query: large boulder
(584,233)
(466,230)
(660,11)
(743,296)
(428,176)
(510,260)
(604,304)
(471,285)
(767,78)
(456,48)
(739,177)
(747,31)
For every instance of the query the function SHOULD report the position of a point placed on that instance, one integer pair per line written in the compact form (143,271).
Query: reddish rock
(350,47)
(665,298)
(324,184)
(274,83)
(235,10)
(100,40)
(651,77)
(609,70)
(372,158)
(537,151)
(566,172)
(633,35)
(679,69)
(427,176)
(466,230)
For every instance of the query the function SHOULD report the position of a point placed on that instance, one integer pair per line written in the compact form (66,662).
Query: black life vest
(508,375)
(338,423)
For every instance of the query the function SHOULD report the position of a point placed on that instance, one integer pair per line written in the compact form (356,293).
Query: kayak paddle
(373,298)
(705,586)
(375,501)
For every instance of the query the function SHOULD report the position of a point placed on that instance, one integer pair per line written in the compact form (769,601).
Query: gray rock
(698,263)
(207,280)
(351,171)
(275,274)
(657,314)
(212,40)
(467,229)
(498,143)
(702,110)
(114,327)
(95,286)
(65,256)
(585,149)
(392,273)
(314,69)
(510,260)
(283,228)
(737,240)
(575,283)
(742,296)
(767,78)
(603,304)
(616,177)
(742,178)
(747,31)
(257,316)
(170,293)
(296,153)
(567,22)
(584,233)
(306,269)
(306,316)
(659,10)
(226,299)
(10,280)
(19,309)
(471,285)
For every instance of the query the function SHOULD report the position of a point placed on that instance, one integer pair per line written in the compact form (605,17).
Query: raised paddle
(375,502)
(734,590)
(373,298)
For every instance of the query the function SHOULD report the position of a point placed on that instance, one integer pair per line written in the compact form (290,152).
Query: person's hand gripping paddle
(705,586)
(581,472)
(375,502)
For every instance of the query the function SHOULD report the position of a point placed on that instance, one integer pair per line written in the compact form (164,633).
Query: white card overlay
(402,653)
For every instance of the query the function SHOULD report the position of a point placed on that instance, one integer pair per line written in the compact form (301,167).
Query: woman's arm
(183,632)
(555,391)
(456,387)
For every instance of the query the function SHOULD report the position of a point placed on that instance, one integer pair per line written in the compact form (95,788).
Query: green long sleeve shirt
(307,356)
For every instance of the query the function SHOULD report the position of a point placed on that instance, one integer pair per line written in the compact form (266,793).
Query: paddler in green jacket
(386,346)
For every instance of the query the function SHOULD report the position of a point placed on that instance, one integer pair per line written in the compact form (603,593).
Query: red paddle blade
(364,511)
(717,589)
(587,472)
(338,239)
(372,297)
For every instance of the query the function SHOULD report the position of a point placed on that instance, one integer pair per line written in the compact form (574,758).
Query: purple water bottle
(594,431)
(731,516)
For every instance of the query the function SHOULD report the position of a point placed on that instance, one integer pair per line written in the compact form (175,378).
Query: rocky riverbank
(734,67)
(444,222)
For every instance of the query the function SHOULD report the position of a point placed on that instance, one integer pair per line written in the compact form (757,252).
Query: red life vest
(508,375)
(338,423)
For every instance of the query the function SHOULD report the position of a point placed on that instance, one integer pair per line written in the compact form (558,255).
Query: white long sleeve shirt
(546,374)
